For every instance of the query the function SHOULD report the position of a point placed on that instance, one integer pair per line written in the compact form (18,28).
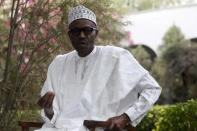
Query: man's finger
(43,102)
(45,99)
(50,101)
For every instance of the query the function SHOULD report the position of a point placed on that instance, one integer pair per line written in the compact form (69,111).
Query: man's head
(82,29)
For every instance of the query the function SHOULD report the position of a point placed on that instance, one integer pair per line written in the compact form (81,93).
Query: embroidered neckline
(85,63)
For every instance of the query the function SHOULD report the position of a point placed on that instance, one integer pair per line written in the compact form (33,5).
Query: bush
(178,117)
(26,115)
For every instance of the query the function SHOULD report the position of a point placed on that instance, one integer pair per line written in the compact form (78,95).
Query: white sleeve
(48,86)
(149,92)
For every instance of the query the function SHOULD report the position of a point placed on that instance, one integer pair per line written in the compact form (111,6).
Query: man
(102,83)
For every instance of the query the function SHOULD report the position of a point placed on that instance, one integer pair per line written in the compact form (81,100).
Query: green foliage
(181,72)
(129,6)
(155,4)
(178,117)
(175,69)
(139,5)
(32,115)
(172,37)
(142,56)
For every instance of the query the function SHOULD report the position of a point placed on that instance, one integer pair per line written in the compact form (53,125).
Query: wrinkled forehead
(80,23)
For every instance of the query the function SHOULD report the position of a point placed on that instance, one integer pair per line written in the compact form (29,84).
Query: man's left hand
(118,122)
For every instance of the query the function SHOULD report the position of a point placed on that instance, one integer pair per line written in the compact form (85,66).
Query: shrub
(177,117)
(27,115)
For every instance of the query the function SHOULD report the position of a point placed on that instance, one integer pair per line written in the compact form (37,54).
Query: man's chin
(82,53)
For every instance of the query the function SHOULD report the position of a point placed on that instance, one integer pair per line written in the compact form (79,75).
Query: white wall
(149,27)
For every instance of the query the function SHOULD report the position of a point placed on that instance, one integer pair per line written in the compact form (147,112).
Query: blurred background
(161,34)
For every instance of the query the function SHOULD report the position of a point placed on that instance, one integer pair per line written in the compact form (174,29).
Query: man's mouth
(82,47)
(82,44)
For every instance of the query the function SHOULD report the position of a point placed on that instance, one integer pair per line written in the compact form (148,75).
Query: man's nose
(82,34)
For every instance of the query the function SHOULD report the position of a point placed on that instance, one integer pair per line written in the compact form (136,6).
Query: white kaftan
(106,83)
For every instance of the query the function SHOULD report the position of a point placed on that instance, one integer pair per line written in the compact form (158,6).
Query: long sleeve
(149,92)
(48,86)
(128,80)
(134,80)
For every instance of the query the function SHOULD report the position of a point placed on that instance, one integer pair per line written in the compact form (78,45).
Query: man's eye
(75,30)
(87,29)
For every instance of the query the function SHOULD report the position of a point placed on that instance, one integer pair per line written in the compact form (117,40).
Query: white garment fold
(110,85)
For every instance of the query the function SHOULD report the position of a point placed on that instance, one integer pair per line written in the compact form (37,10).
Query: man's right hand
(46,101)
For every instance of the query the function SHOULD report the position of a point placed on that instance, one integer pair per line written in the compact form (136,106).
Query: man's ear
(69,34)
(96,33)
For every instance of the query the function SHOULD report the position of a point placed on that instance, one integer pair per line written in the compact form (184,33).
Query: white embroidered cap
(80,12)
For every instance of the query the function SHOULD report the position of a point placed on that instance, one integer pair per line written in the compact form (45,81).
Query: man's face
(82,33)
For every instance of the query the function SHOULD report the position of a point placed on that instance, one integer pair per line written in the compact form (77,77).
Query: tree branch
(14,13)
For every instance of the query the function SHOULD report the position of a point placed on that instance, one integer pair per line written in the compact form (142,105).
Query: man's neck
(84,54)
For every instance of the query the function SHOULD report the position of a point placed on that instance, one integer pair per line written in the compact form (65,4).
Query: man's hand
(46,101)
(118,122)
